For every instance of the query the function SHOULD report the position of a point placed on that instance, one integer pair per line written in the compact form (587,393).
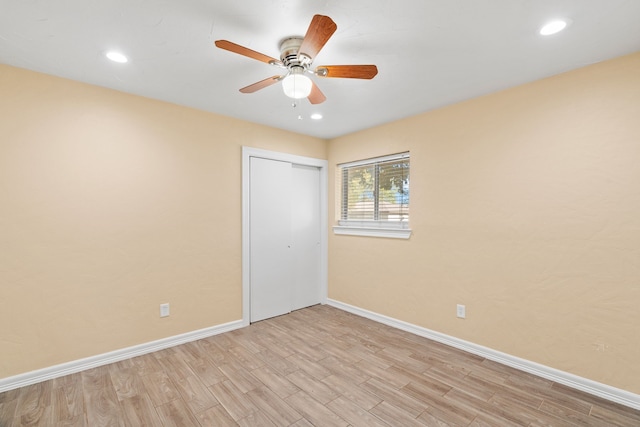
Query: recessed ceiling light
(116,57)
(316,116)
(553,27)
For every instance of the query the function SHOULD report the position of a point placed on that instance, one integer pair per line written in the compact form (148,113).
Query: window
(374,198)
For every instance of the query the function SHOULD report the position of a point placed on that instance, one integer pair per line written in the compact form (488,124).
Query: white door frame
(247,153)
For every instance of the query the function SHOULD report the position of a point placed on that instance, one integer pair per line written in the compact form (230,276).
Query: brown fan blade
(316,96)
(348,71)
(236,48)
(320,30)
(261,84)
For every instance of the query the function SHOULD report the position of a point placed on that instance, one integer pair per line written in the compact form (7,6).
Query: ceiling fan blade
(261,84)
(316,96)
(320,30)
(236,48)
(348,71)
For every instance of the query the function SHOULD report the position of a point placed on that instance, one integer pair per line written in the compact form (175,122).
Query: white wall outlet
(164,310)
(461,311)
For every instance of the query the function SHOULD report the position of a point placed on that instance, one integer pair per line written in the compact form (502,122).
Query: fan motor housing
(289,48)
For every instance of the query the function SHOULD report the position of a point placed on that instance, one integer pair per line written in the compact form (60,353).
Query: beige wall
(525,207)
(111,204)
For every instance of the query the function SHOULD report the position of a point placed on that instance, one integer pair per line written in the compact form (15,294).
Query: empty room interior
(176,207)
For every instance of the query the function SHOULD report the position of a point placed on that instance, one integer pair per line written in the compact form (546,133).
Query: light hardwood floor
(315,367)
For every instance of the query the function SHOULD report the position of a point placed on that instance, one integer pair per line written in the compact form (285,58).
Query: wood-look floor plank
(100,399)
(376,360)
(10,395)
(212,350)
(311,367)
(43,419)
(398,398)
(307,351)
(621,417)
(515,396)
(276,409)
(216,416)
(241,378)
(351,391)
(70,380)
(436,385)
(236,403)
(126,381)
(313,387)
(35,403)
(571,416)
(224,341)
(8,412)
(256,419)
(208,373)
(315,412)
(344,369)
(302,423)
(277,362)
(401,358)
(176,414)
(340,353)
(471,385)
(247,359)
(279,384)
(436,405)
(190,351)
(499,415)
(249,339)
(479,421)
(599,403)
(139,411)
(395,416)
(68,403)
(160,388)
(355,415)
(175,364)
(195,394)
(146,364)
(383,374)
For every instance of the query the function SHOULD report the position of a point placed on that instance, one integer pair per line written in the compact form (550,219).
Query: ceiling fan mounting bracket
(289,53)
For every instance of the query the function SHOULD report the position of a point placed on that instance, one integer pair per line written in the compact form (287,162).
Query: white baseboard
(56,371)
(604,391)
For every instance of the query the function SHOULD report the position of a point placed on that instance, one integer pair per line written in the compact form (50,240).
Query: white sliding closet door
(305,226)
(284,216)
(270,222)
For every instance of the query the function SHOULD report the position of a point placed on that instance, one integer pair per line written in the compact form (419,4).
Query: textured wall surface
(525,207)
(110,205)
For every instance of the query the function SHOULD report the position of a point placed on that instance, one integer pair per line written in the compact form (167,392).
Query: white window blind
(375,192)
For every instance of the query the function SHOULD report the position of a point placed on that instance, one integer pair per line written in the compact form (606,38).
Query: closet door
(305,227)
(270,238)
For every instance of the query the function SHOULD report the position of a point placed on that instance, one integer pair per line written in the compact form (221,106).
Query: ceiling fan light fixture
(296,85)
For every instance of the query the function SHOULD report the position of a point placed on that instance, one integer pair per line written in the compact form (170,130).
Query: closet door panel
(270,223)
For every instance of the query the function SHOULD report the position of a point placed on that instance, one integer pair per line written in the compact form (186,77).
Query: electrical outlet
(164,310)
(461,311)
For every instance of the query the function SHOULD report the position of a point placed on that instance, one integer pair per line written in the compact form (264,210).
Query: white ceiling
(429,53)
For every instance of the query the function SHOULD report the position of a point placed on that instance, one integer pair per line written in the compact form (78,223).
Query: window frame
(369,228)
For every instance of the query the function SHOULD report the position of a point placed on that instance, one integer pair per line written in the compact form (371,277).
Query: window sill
(392,233)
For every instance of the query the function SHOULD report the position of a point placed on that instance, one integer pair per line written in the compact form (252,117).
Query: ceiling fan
(296,56)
